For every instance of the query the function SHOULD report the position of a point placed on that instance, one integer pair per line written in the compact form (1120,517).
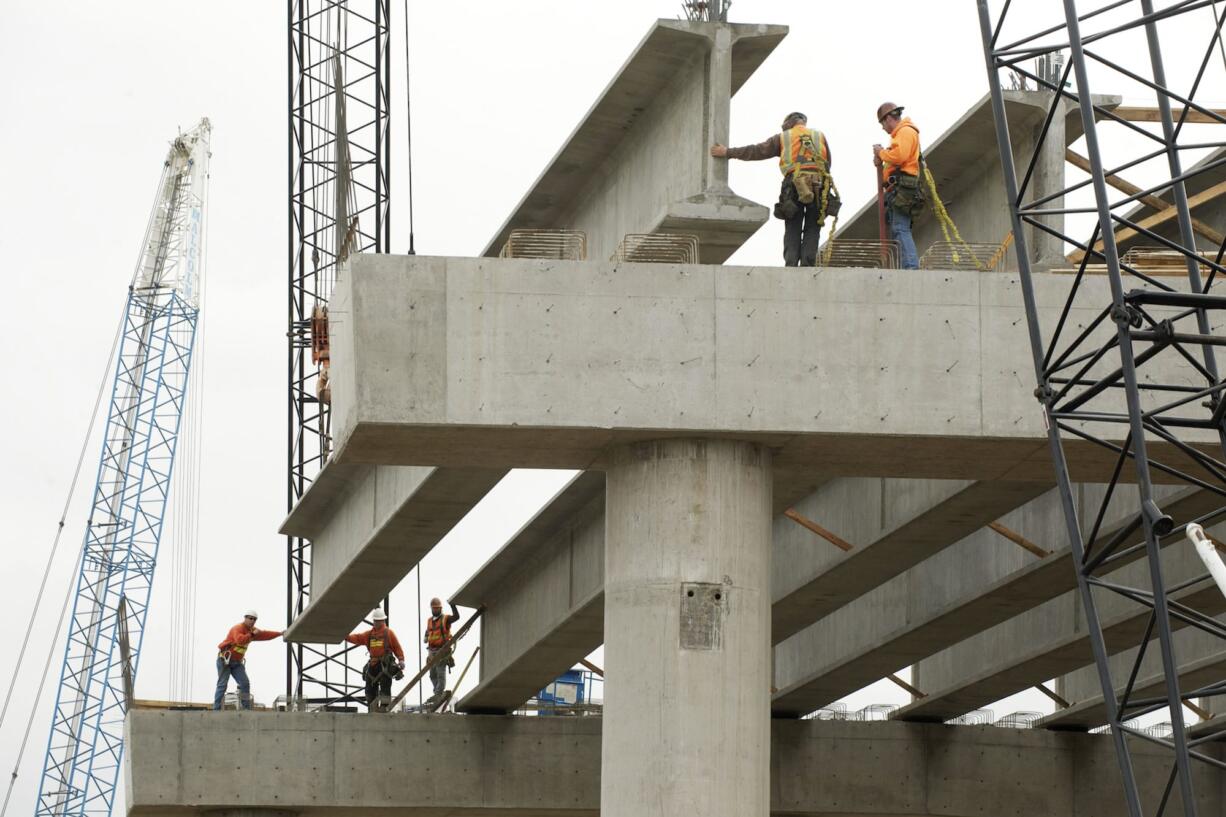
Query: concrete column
(686,727)
(1048,178)
(718,88)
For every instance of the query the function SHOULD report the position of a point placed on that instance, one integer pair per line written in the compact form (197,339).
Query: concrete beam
(505,363)
(952,511)
(638,162)
(931,621)
(1092,713)
(544,598)
(368,526)
(1049,660)
(182,763)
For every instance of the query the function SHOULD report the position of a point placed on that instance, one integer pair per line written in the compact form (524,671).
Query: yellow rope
(948,228)
(827,186)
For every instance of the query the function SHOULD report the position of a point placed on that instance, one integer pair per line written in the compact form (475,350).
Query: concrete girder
(182,763)
(1091,713)
(368,526)
(549,641)
(638,161)
(1049,660)
(930,622)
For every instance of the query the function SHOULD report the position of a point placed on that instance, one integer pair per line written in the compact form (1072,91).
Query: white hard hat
(251,613)
(377,614)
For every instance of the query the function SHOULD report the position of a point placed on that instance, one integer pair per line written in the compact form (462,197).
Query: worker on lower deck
(900,175)
(805,197)
(386,660)
(438,640)
(232,658)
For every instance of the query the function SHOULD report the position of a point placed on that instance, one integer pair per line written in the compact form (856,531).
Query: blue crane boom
(119,553)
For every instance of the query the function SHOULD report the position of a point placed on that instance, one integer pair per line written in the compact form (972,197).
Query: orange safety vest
(438,631)
(802,149)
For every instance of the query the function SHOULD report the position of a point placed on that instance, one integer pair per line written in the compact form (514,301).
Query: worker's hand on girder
(877,154)
(719,151)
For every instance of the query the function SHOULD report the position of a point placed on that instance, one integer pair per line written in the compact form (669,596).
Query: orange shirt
(240,636)
(903,152)
(377,641)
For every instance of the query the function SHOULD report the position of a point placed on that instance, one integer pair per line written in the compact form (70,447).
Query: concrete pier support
(687,630)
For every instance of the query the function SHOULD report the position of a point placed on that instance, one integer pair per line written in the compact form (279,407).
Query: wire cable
(408,136)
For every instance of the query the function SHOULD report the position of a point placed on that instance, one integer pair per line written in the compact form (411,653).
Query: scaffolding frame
(1098,385)
(339,172)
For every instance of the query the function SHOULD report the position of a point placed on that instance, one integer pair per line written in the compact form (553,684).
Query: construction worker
(438,639)
(232,658)
(807,194)
(386,660)
(900,176)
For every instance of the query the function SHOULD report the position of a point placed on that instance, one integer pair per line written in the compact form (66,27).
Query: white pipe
(1208,554)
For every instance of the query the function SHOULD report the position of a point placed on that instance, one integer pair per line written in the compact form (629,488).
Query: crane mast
(129,502)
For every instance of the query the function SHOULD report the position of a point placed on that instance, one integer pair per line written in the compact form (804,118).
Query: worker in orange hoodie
(232,657)
(900,176)
(386,660)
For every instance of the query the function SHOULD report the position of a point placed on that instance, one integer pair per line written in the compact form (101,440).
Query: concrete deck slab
(183,763)
(1092,713)
(638,161)
(505,363)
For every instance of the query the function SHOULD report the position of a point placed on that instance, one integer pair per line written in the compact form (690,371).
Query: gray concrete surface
(974,585)
(543,611)
(544,598)
(1044,658)
(638,162)
(503,363)
(182,763)
(687,630)
(1092,712)
(368,526)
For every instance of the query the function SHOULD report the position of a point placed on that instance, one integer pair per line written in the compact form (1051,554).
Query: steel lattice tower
(339,159)
(119,554)
(1141,379)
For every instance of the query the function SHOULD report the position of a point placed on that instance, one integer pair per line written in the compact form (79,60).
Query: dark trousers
(378,684)
(801,235)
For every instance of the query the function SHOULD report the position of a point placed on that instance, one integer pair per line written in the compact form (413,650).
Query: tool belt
(386,665)
(905,192)
(789,206)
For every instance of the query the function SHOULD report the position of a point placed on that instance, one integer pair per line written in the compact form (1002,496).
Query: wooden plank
(1018,539)
(1159,218)
(830,537)
(915,692)
(1139,113)
(1152,201)
(1060,702)
(589,665)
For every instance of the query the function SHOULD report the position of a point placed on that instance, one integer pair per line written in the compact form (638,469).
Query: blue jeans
(900,231)
(224,671)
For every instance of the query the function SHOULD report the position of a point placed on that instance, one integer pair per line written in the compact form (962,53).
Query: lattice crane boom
(129,502)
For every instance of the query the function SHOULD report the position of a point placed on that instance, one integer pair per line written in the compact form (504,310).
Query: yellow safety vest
(802,149)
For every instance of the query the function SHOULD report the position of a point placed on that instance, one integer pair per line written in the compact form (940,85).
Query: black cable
(408,125)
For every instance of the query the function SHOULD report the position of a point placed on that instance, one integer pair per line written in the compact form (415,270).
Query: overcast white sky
(91,93)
